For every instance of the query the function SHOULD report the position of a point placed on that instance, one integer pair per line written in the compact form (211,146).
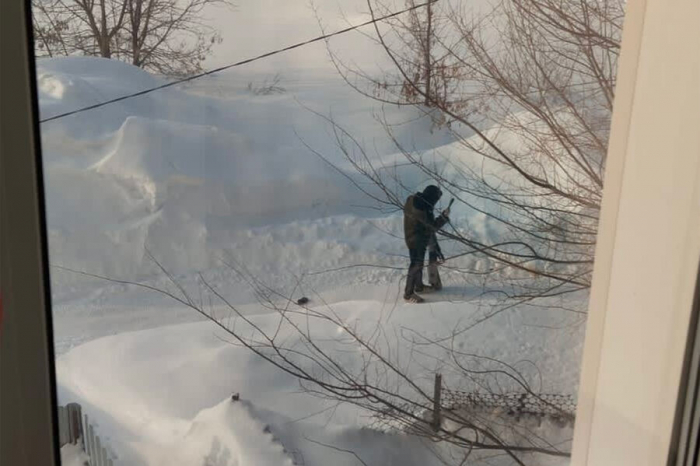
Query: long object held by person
(438,250)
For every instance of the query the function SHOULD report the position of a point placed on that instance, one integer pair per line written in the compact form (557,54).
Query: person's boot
(424,288)
(413,298)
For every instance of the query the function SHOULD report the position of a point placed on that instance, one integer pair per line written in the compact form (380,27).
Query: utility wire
(233,65)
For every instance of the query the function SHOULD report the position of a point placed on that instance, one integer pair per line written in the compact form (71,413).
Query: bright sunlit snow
(208,174)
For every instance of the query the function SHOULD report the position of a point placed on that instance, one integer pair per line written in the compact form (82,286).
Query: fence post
(62,426)
(75,431)
(436,402)
(90,437)
(93,446)
(98,454)
(86,435)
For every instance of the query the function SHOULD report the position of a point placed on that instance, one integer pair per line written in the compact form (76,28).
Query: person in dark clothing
(420,225)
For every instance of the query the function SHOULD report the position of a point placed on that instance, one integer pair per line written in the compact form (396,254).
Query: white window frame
(646,259)
(648,244)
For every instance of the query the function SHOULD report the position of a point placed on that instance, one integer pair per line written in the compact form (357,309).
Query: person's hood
(431,195)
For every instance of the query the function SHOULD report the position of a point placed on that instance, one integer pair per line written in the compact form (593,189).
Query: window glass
(356,232)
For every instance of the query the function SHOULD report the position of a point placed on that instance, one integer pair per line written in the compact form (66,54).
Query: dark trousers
(415,270)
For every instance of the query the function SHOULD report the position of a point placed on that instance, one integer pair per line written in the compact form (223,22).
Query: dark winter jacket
(419,222)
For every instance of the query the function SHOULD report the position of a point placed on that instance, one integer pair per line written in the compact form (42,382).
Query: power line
(233,65)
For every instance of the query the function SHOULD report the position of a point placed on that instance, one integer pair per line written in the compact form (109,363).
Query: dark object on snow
(420,226)
(303,300)
(235,397)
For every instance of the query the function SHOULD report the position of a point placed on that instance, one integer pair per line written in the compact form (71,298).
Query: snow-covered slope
(204,175)
(181,174)
(157,394)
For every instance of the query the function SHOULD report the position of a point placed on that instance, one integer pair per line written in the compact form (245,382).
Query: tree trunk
(105,49)
(428,67)
(135,13)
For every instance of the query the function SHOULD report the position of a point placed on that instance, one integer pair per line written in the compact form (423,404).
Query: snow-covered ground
(198,183)
(208,175)
(73,455)
(162,395)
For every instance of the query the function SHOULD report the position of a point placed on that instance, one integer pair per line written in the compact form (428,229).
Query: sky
(247,32)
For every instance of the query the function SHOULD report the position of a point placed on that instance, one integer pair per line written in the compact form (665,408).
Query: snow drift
(157,394)
(180,173)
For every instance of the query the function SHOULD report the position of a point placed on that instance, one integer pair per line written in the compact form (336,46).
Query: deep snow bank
(157,394)
(179,173)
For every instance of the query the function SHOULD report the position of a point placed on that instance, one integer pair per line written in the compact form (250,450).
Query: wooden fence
(75,428)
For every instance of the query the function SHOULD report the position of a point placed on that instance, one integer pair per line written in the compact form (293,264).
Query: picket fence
(74,427)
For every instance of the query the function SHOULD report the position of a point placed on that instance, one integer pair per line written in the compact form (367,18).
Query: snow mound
(158,150)
(73,455)
(188,177)
(68,83)
(229,434)
(156,394)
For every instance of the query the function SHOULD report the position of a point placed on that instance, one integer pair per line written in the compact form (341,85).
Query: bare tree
(431,72)
(170,37)
(269,86)
(529,105)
